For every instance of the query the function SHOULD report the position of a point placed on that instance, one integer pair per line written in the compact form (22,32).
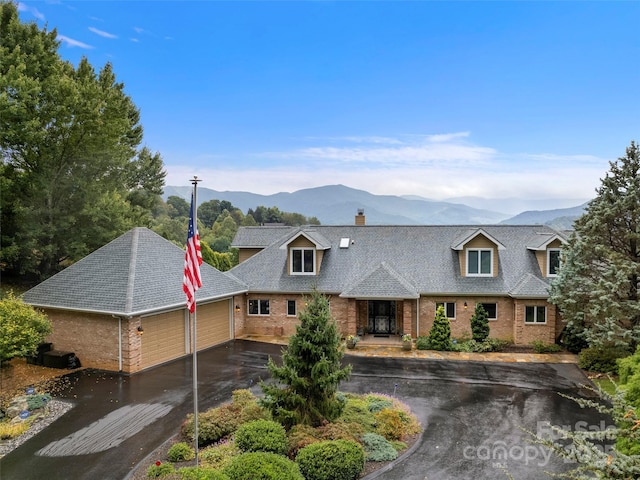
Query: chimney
(360,218)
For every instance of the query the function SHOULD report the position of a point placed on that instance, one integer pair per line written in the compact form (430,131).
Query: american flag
(192,261)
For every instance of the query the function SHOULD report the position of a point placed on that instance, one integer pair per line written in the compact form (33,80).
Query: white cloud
(22,7)
(447,137)
(73,43)
(102,33)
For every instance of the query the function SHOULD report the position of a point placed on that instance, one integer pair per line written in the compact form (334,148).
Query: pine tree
(479,324)
(311,371)
(440,333)
(597,287)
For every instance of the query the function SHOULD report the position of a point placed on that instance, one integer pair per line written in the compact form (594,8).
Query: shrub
(389,424)
(219,422)
(300,436)
(629,371)
(35,402)
(12,430)
(331,460)
(22,328)
(341,431)
(542,347)
(262,436)
(219,455)
(378,448)
(356,410)
(601,359)
(180,452)
(422,343)
(378,402)
(480,323)
(160,470)
(262,466)
(201,473)
(440,333)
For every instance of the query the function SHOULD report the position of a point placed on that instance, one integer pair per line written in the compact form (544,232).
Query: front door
(382,317)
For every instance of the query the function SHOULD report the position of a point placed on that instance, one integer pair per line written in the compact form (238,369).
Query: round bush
(159,471)
(378,448)
(601,359)
(331,460)
(262,466)
(201,473)
(180,452)
(262,436)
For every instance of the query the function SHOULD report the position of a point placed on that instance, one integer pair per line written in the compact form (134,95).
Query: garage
(214,324)
(164,338)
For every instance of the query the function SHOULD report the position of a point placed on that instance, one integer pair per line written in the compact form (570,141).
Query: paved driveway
(472,412)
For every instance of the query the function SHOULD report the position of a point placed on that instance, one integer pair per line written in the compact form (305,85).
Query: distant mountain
(560,219)
(338,205)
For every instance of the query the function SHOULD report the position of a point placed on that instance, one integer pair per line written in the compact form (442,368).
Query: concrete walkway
(385,347)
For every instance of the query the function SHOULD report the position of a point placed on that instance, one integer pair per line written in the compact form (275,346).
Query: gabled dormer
(305,251)
(548,249)
(478,253)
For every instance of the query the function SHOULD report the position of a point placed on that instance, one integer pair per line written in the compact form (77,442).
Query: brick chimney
(360,218)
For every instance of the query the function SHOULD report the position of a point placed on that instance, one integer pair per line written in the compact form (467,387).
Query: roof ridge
(131,277)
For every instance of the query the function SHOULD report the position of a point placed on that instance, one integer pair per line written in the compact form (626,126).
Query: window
(553,262)
(535,314)
(303,261)
(291,308)
(449,309)
(479,262)
(258,307)
(491,309)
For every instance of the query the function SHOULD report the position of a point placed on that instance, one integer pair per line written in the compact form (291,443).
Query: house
(122,308)
(389,280)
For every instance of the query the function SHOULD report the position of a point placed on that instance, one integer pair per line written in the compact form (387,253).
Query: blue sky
(437,99)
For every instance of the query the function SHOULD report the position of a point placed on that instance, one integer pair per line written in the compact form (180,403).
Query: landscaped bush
(629,372)
(601,359)
(180,452)
(356,410)
(480,324)
(543,347)
(37,401)
(422,343)
(12,430)
(262,466)
(201,473)
(331,460)
(378,402)
(219,455)
(341,431)
(262,436)
(159,470)
(378,448)
(219,422)
(389,424)
(487,345)
(440,333)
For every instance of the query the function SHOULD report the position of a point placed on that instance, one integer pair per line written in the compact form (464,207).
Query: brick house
(389,280)
(122,307)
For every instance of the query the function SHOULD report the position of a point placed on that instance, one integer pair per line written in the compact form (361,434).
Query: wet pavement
(473,413)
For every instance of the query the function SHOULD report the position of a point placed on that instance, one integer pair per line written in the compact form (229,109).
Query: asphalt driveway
(473,414)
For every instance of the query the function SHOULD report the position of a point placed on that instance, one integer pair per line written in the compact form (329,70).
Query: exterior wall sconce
(465,305)
(140,330)
(237,308)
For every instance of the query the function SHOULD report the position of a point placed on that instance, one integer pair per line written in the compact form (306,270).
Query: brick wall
(525,333)
(93,338)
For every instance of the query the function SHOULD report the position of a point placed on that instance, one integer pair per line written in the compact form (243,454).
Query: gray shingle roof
(138,272)
(382,282)
(420,258)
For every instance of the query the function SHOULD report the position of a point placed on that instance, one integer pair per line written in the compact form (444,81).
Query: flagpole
(194,344)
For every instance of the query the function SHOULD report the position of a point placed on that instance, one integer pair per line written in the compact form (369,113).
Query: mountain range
(338,205)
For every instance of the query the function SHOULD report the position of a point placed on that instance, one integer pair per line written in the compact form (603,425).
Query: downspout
(119,342)
(418,316)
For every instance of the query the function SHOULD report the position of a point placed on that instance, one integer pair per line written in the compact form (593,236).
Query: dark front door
(382,317)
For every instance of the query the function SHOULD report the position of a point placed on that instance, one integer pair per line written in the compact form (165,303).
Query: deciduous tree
(22,328)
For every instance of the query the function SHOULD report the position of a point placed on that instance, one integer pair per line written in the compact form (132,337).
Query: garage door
(163,338)
(214,323)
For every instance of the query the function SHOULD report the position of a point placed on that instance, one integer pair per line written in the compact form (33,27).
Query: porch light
(237,308)
(465,305)
(140,330)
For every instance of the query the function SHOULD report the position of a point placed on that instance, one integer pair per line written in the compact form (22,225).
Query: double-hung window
(535,314)
(491,309)
(291,308)
(479,262)
(553,262)
(303,261)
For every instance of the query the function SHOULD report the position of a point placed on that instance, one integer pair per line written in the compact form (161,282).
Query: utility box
(38,359)
(57,359)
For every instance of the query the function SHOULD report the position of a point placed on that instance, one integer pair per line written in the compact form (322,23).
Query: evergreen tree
(311,370)
(479,324)
(597,286)
(440,333)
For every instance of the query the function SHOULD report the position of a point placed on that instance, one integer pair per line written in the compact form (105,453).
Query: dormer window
(303,261)
(479,262)
(553,262)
